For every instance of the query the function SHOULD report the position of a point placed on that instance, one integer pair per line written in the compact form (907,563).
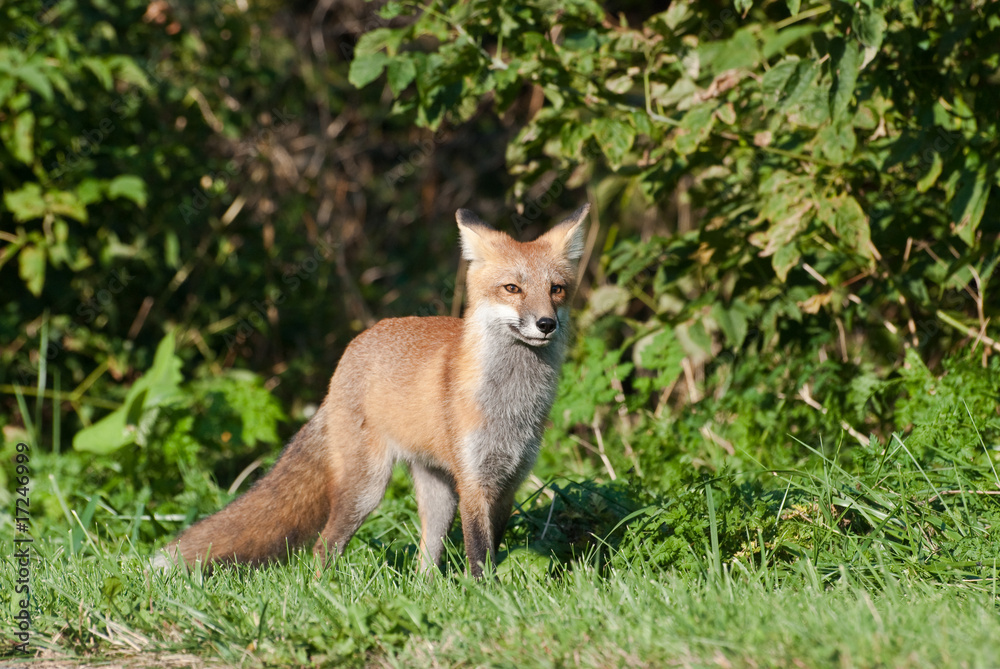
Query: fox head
(522,288)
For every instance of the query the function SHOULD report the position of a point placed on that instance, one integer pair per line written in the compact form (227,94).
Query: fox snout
(546,325)
(536,331)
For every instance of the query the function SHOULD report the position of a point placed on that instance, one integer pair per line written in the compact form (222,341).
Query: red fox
(461,400)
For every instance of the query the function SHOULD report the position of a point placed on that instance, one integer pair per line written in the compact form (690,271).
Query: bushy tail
(284,510)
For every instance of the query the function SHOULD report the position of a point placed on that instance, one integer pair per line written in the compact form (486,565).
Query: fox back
(462,401)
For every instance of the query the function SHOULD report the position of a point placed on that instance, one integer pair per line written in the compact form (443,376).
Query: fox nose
(546,325)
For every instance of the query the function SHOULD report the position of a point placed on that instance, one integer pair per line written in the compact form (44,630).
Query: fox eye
(511,288)
(558,289)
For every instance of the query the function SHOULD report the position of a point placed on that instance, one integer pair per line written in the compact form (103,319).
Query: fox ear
(567,237)
(474,233)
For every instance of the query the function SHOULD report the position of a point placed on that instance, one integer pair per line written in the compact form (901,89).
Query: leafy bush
(818,177)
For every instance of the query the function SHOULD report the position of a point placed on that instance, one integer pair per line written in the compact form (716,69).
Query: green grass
(364,612)
(786,552)
(813,567)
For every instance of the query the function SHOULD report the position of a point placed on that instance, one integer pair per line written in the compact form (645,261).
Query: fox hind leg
(356,492)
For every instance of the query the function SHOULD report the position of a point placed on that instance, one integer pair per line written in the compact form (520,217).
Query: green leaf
(31,268)
(106,435)
(90,191)
(933,172)
(391,10)
(743,6)
(969,204)
(733,321)
(694,128)
(614,137)
(869,26)
(30,203)
(366,69)
(26,203)
(784,260)
(163,379)
(66,203)
(130,422)
(836,143)
(35,79)
(100,70)
(852,226)
(846,64)
(773,83)
(662,352)
(375,41)
(130,187)
(401,71)
(793,6)
(22,146)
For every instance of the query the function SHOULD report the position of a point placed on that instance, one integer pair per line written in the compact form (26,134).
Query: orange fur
(462,401)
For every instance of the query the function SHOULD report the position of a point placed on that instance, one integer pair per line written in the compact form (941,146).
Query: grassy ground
(364,612)
(757,551)
(613,605)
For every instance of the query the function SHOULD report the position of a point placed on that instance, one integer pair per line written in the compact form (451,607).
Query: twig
(807,397)
(971,332)
(600,446)
(244,474)
(961,492)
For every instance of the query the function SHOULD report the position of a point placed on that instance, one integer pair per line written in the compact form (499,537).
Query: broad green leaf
(933,172)
(969,204)
(400,72)
(614,137)
(128,71)
(366,69)
(90,191)
(836,143)
(678,12)
(391,10)
(35,79)
(738,52)
(793,6)
(852,226)
(106,435)
(125,425)
(776,42)
(30,203)
(100,70)
(813,109)
(23,145)
(130,187)
(743,6)
(784,260)
(695,127)
(846,61)
(26,203)
(869,25)
(732,320)
(662,352)
(164,377)
(774,81)
(66,203)
(374,41)
(31,268)
(620,84)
